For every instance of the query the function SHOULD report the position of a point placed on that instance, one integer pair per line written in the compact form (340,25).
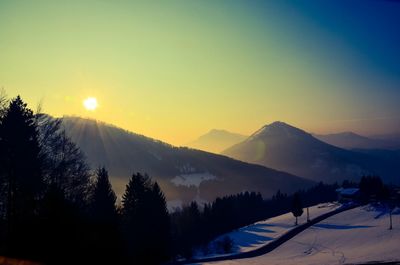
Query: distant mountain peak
(279,129)
(218,131)
(216,140)
(351,140)
(348,133)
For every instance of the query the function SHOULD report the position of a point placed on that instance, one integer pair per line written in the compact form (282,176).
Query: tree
(44,183)
(103,199)
(189,228)
(297,207)
(3,102)
(63,162)
(67,179)
(371,187)
(20,172)
(104,220)
(161,224)
(145,220)
(56,221)
(3,188)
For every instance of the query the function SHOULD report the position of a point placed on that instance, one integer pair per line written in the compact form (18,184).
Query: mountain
(216,141)
(393,138)
(350,140)
(183,173)
(290,149)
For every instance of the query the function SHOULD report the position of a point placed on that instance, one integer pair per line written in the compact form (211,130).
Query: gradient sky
(173,70)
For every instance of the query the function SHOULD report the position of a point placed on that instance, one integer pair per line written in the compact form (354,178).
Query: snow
(254,236)
(354,236)
(172,205)
(193,179)
(348,191)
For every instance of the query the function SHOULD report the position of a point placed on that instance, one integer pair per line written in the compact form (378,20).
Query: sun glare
(90,103)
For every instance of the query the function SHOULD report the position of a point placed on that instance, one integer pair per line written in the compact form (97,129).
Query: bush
(225,245)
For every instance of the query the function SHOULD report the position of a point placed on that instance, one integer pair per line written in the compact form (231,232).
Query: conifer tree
(102,203)
(104,218)
(20,172)
(297,206)
(161,224)
(136,216)
(145,221)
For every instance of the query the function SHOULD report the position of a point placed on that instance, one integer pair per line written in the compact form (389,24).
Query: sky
(173,70)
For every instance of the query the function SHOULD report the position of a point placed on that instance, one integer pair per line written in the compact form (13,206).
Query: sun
(90,103)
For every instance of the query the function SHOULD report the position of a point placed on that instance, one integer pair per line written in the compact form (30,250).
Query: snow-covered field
(258,234)
(192,179)
(354,236)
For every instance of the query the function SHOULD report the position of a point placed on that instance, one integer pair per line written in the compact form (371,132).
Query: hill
(350,140)
(183,173)
(355,236)
(216,141)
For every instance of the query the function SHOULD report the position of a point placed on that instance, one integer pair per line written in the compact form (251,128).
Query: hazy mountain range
(183,173)
(293,150)
(186,174)
(350,140)
(216,141)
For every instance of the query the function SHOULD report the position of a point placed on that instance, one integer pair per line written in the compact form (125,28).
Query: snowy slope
(354,236)
(254,236)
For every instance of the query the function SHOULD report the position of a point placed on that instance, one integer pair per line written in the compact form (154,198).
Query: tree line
(193,227)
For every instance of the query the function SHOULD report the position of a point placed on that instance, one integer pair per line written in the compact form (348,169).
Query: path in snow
(258,234)
(359,235)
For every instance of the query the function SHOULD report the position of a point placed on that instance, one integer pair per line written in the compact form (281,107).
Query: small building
(348,194)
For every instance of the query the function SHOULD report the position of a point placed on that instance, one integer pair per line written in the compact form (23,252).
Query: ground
(254,236)
(356,236)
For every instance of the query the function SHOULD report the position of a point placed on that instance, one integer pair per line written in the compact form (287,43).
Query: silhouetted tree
(3,102)
(20,174)
(57,216)
(145,220)
(63,162)
(349,184)
(189,229)
(67,177)
(160,222)
(104,219)
(297,206)
(103,199)
(371,187)
(3,183)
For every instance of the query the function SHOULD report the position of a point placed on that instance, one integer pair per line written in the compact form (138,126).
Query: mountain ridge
(183,173)
(351,140)
(284,147)
(216,140)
